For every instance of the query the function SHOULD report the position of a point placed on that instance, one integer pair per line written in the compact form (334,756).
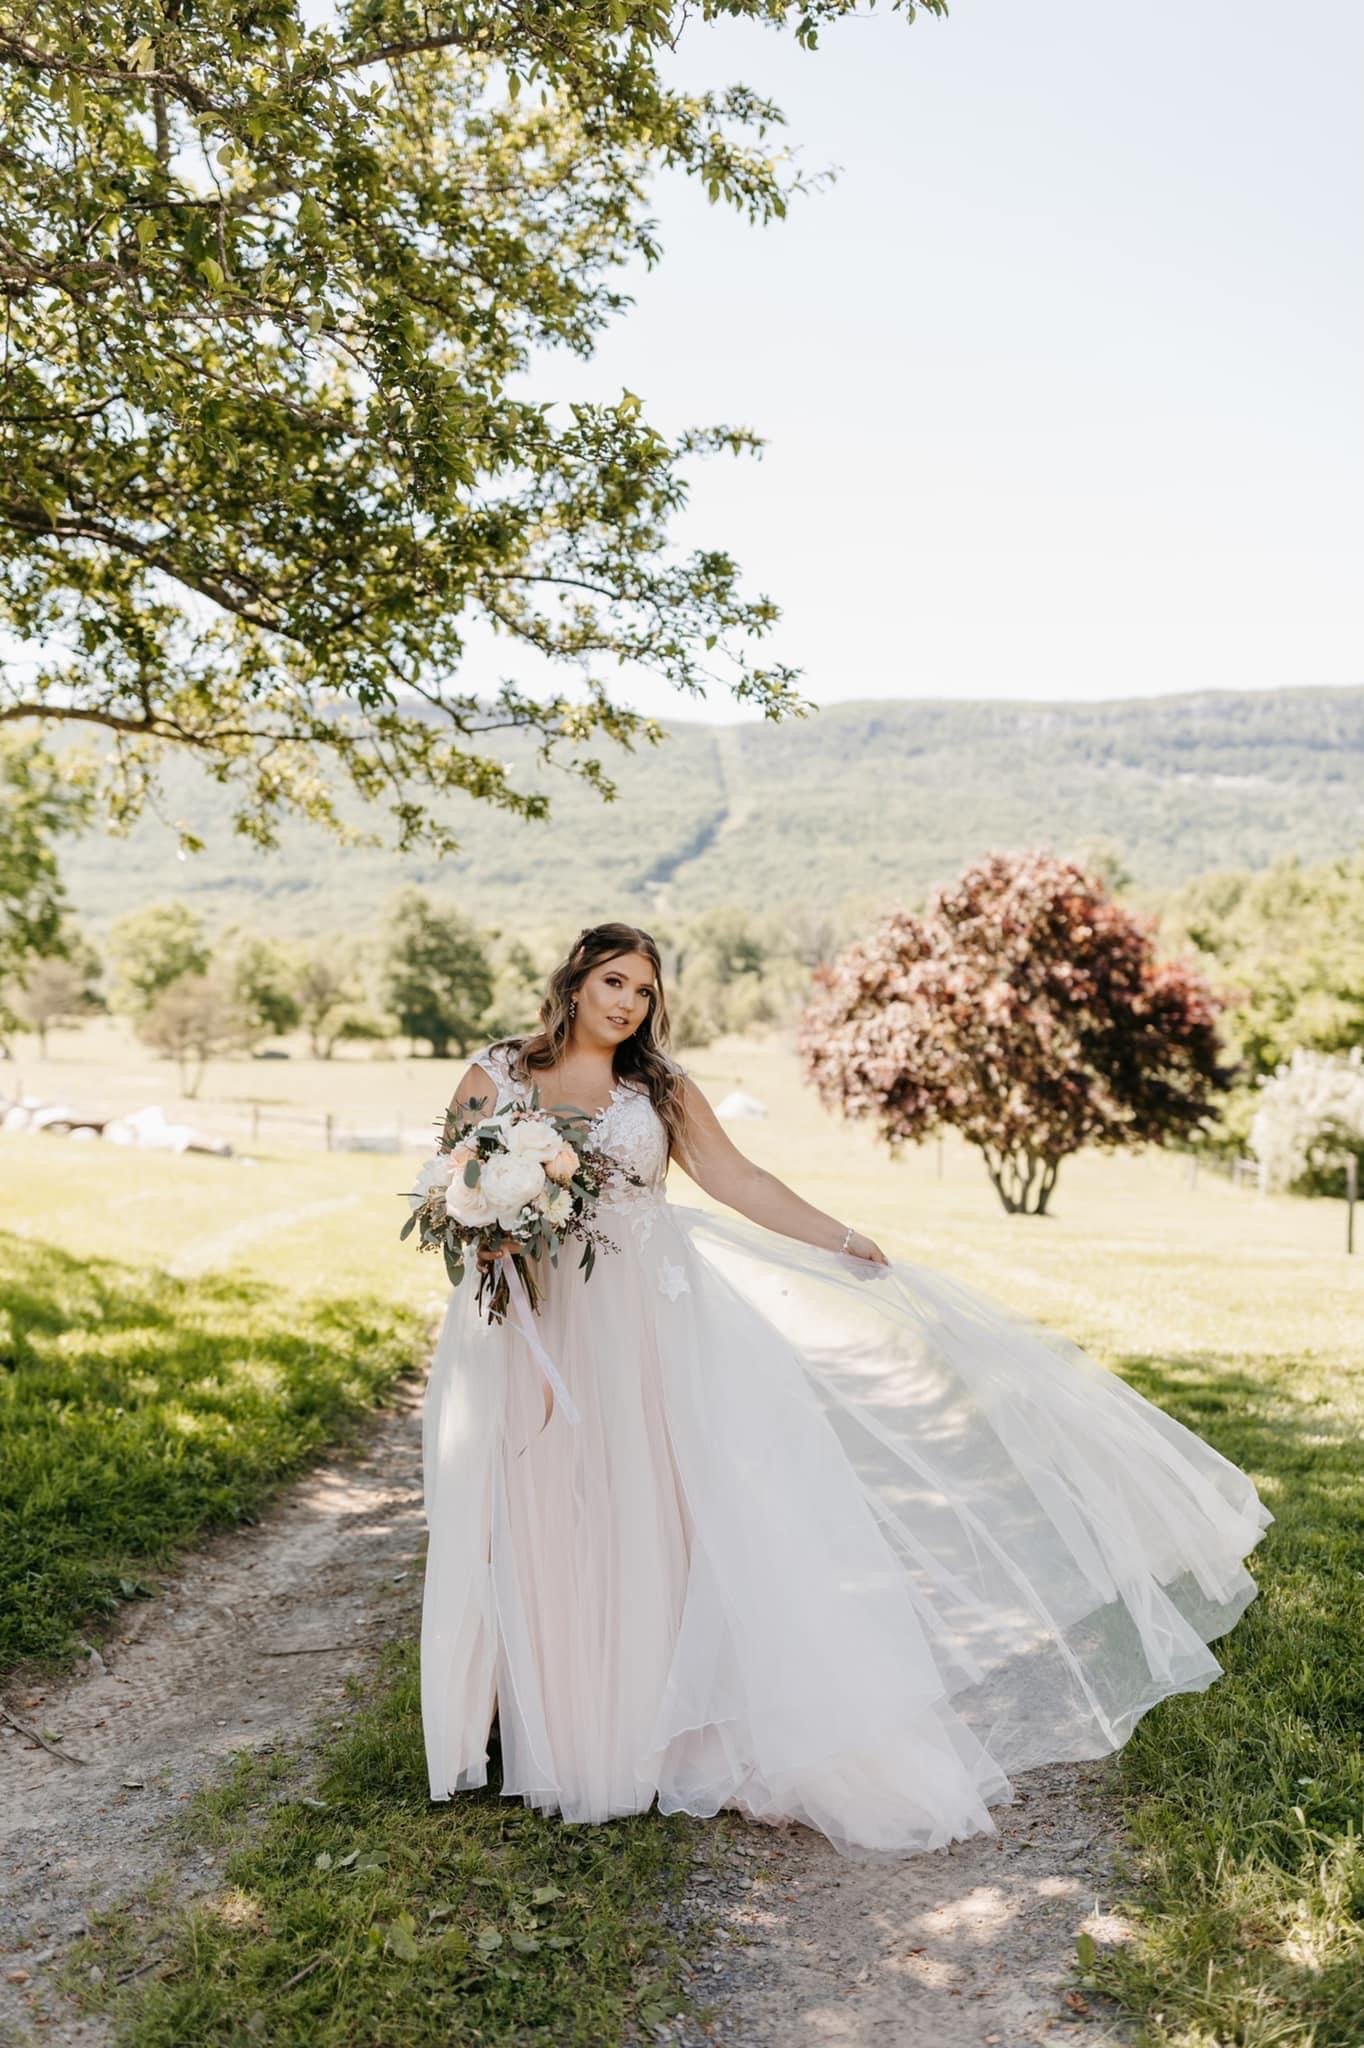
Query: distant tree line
(430,976)
(1027,1005)
(1284,946)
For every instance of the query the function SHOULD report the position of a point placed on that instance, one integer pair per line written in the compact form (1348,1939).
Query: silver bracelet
(849,1233)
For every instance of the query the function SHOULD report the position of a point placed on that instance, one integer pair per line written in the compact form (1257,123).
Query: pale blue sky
(1061,379)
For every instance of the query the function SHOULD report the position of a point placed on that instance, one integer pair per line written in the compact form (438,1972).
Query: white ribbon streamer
(525,1322)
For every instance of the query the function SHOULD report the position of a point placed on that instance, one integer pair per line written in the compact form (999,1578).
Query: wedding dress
(827,1542)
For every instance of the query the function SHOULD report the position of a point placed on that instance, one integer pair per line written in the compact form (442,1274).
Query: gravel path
(972,1947)
(252,1637)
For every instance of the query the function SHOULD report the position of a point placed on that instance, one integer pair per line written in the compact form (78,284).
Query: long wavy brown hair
(643,1060)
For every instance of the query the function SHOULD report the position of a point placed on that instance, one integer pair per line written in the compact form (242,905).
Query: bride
(818,1536)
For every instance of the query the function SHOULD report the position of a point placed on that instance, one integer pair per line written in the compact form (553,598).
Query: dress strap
(495,1060)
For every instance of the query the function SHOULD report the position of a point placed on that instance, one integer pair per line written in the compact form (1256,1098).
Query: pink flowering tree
(1026,1009)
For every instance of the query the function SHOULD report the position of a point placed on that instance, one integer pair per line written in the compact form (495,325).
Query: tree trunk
(1023,1180)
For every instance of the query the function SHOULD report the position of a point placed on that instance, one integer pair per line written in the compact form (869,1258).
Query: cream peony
(556,1206)
(469,1205)
(563,1165)
(433,1175)
(508,1182)
(533,1138)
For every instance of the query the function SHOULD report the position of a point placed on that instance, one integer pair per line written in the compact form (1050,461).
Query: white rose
(556,1206)
(434,1174)
(533,1138)
(469,1205)
(507,1183)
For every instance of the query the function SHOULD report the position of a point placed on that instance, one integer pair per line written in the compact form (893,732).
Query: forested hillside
(856,804)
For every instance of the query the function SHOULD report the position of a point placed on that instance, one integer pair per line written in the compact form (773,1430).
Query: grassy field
(1238,1313)
(262,1107)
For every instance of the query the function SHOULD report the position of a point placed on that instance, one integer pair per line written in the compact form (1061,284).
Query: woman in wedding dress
(819,1537)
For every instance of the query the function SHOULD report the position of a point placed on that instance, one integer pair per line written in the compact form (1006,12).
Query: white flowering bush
(1310,1116)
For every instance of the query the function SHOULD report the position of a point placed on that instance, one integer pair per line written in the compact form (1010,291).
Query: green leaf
(525,1944)
(408,1227)
(454,1267)
(471,1173)
(1086,1949)
(488,1940)
(413,419)
(543,1894)
(400,1938)
(322,1860)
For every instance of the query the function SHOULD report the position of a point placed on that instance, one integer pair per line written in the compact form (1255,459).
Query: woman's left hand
(863,1247)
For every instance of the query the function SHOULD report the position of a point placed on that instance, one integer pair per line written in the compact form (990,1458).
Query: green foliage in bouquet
(487,1205)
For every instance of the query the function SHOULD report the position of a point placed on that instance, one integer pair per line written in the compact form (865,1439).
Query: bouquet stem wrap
(525,1323)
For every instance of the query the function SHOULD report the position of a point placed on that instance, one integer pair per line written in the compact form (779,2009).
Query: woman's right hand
(860,1246)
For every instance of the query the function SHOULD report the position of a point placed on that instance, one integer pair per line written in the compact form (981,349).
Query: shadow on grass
(362,1915)
(1246,1800)
(137,1411)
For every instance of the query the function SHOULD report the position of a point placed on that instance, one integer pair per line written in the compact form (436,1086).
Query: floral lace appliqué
(630,1129)
(672,1279)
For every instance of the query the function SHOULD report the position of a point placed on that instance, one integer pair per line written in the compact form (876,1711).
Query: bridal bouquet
(515,1187)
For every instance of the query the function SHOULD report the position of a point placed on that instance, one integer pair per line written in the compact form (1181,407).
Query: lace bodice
(627,1126)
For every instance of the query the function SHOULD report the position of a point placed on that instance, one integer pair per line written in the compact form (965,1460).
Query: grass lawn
(1239,1314)
(177,1337)
(362,1916)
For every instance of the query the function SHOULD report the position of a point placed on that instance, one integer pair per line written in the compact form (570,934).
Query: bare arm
(715,1163)
(475,1096)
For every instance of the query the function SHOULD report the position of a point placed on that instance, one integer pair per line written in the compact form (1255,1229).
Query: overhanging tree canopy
(266,292)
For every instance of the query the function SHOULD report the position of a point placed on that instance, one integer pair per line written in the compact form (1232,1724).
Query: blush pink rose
(563,1165)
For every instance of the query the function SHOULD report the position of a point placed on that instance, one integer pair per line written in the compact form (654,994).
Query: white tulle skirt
(829,1543)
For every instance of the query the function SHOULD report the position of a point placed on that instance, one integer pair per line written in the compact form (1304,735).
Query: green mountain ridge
(864,802)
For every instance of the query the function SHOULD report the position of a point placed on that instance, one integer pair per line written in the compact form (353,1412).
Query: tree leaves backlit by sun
(268,289)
